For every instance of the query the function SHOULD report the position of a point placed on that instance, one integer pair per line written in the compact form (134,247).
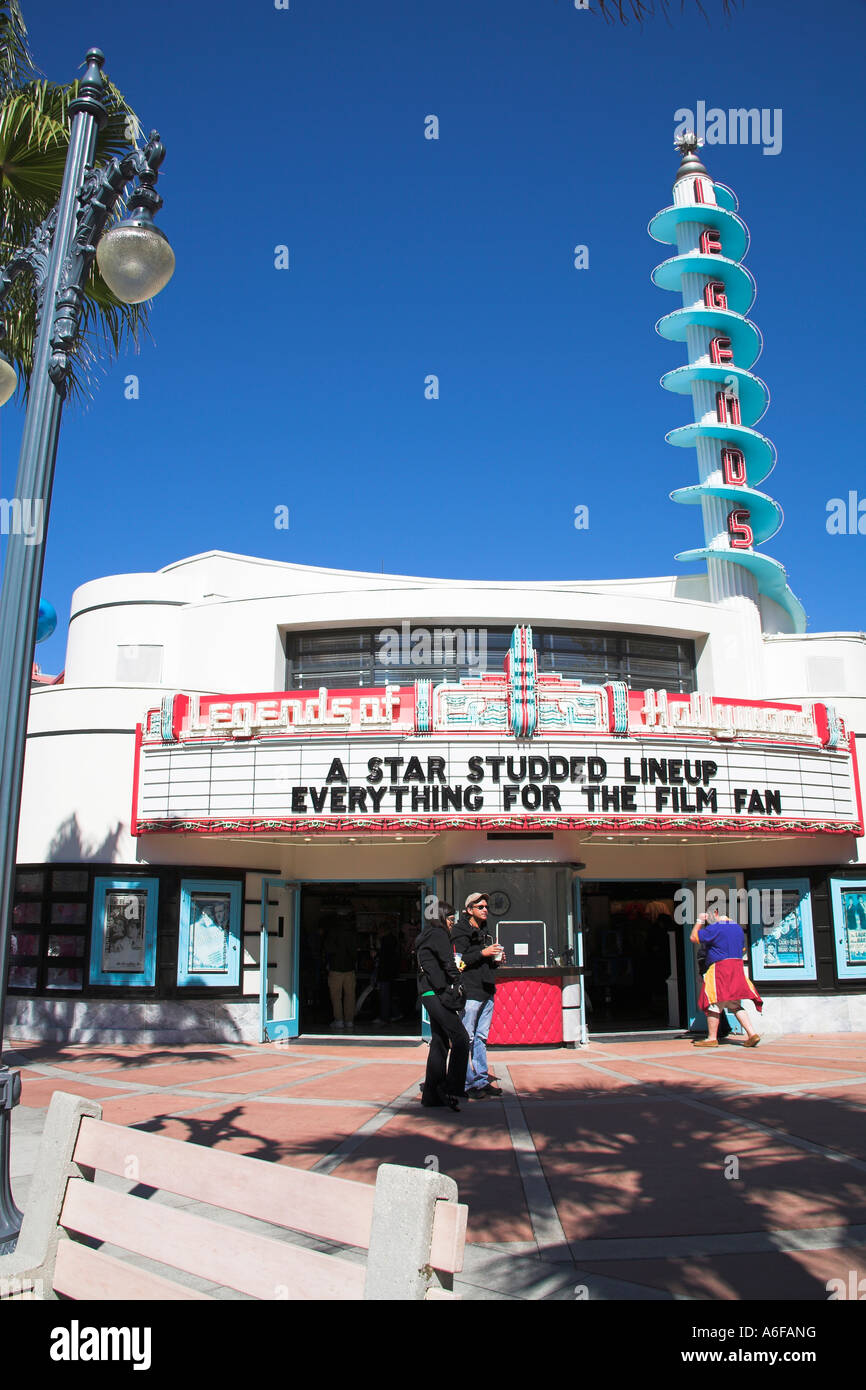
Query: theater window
(848,897)
(780,928)
(209,942)
(369,657)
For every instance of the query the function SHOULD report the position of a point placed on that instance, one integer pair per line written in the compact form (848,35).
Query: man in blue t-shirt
(726,983)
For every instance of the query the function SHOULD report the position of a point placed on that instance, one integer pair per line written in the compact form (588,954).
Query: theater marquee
(516,752)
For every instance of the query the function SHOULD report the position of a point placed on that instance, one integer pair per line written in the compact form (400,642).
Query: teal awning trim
(734,232)
(758,451)
(754,393)
(765,515)
(771,576)
(745,336)
(740,287)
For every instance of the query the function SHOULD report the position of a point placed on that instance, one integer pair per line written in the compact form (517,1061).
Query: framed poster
(848,896)
(208,950)
(780,927)
(123,937)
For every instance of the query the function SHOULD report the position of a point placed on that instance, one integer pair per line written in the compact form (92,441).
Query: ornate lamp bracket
(99,195)
(101,190)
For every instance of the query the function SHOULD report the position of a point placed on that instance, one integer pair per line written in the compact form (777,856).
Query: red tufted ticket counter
(528,1009)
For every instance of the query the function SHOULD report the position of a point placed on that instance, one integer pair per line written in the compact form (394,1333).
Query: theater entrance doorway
(365,933)
(634,955)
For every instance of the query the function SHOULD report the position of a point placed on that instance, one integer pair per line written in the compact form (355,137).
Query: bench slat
(332,1208)
(80,1273)
(449,1236)
(251,1264)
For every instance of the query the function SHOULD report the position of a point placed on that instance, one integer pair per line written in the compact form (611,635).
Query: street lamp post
(136,262)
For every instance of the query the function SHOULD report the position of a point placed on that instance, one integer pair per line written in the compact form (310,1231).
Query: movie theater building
(242,752)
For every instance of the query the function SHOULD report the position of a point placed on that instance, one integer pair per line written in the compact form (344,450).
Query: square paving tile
(358,1052)
(36,1090)
(183,1072)
(295,1134)
(833,1117)
(67,1060)
(472,1147)
(377,1083)
(796,1276)
(132,1109)
(650,1169)
(558,1082)
(822,1058)
(697,1075)
(250,1081)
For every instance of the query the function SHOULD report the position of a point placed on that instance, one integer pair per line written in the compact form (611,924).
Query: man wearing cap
(480,959)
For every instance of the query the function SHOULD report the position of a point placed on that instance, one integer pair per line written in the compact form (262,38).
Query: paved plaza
(629,1170)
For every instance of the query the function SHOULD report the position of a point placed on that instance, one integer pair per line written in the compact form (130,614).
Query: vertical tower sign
(728,399)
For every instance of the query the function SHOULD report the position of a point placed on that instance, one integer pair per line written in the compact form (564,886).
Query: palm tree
(34,137)
(646,9)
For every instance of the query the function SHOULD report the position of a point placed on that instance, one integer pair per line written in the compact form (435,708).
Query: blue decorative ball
(47,621)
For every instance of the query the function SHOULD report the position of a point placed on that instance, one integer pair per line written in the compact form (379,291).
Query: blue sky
(304,387)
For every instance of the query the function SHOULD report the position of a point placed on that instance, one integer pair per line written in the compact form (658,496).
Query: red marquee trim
(855,773)
(136,772)
(391,825)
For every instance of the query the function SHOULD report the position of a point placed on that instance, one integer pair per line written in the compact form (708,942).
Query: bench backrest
(410,1224)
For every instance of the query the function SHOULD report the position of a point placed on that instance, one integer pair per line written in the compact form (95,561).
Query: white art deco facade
(243,751)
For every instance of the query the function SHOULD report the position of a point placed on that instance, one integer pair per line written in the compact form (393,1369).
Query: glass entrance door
(278,956)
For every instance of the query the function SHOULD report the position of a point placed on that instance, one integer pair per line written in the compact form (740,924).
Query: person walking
(481,959)
(726,983)
(439,979)
(340,946)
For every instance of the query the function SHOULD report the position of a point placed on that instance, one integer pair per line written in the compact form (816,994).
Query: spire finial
(688,145)
(92,91)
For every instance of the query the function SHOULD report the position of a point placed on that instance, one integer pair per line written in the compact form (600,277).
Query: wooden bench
(410,1224)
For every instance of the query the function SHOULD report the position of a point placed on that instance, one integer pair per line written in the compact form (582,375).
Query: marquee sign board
(518,750)
(363,783)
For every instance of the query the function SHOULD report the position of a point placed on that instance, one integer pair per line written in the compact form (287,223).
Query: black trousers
(447,1031)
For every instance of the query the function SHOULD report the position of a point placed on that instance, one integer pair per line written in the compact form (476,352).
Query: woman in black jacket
(437,969)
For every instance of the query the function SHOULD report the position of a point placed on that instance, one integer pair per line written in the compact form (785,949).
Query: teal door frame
(578,953)
(428,887)
(274,1029)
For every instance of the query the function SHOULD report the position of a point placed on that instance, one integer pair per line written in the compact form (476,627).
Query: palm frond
(33,144)
(108,328)
(16,60)
(34,140)
(640,10)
